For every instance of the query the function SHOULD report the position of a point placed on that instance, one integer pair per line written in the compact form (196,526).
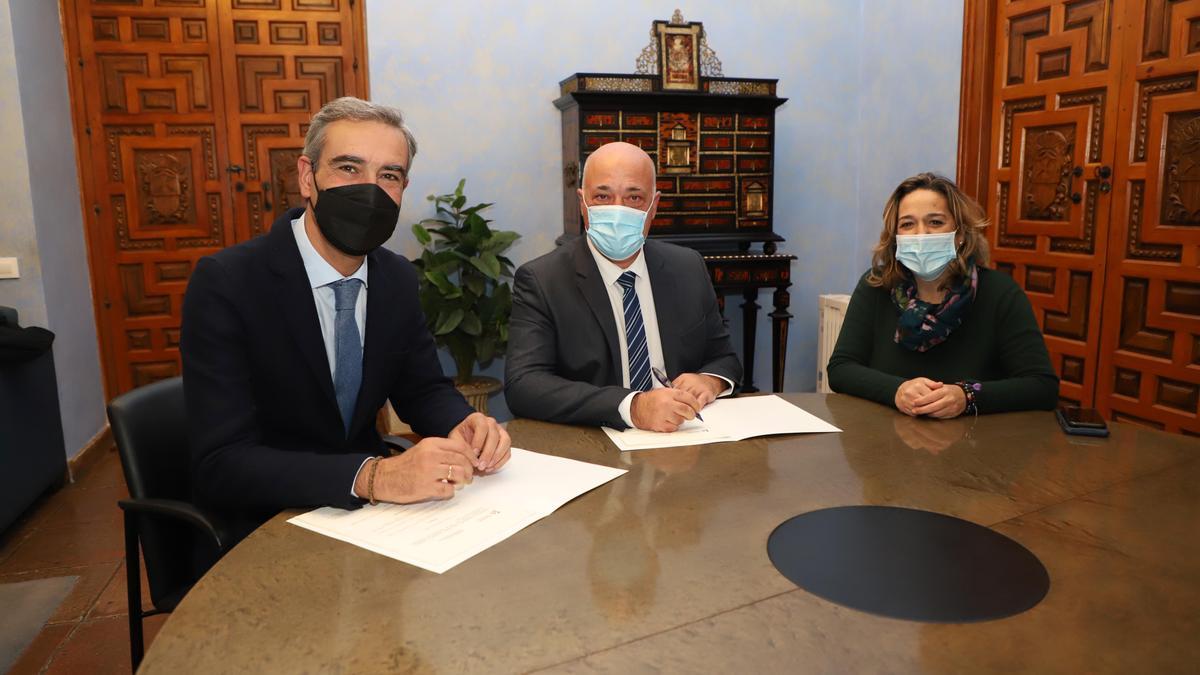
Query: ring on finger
(449,473)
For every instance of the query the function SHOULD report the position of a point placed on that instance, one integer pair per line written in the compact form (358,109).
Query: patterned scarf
(923,325)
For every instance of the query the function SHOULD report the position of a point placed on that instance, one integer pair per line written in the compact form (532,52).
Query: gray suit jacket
(564,363)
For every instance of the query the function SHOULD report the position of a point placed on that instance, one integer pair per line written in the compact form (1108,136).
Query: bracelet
(970,389)
(371,481)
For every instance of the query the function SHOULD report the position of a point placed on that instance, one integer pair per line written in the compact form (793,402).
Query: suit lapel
(296,297)
(591,285)
(662,287)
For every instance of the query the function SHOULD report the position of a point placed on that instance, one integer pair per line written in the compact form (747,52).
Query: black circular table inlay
(908,564)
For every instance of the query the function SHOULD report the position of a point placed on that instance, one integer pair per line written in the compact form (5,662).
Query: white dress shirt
(320,275)
(610,272)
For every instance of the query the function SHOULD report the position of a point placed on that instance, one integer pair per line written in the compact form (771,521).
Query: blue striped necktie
(635,335)
(347,373)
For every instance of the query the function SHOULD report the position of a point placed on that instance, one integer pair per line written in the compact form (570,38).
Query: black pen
(662,379)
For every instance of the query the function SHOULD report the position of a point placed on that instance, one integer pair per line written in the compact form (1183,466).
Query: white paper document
(727,419)
(439,535)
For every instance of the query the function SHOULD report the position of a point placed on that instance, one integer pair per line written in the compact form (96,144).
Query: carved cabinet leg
(779,336)
(749,322)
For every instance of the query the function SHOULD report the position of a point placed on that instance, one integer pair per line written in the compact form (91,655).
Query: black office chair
(178,541)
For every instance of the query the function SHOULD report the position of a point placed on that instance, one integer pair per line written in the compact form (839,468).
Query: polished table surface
(666,569)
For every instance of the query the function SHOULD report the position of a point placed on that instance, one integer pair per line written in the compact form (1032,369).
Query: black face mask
(357,218)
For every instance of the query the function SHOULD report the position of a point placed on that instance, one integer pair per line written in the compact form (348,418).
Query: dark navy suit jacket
(265,428)
(564,363)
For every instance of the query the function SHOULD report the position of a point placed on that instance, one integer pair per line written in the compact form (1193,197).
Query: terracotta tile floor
(77,531)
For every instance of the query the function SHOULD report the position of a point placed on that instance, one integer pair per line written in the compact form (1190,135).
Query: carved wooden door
(279,67)
(1057,82)
(1150,350)
(183,110)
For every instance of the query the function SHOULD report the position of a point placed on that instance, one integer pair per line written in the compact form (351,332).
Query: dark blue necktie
(347,373)
(635,335)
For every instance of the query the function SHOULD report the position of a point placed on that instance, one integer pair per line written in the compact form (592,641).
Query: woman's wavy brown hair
(969,221)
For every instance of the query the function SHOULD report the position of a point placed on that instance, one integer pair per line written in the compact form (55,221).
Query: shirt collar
(319,271)
(609,271)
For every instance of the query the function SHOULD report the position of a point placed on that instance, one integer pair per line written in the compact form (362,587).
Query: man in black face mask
(293,341)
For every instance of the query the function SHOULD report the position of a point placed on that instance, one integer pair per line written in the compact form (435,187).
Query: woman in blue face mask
(930,329)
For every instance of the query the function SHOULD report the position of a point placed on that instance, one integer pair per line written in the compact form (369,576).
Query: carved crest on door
(165,180)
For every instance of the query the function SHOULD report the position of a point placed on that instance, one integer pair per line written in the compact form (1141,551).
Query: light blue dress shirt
(320,275)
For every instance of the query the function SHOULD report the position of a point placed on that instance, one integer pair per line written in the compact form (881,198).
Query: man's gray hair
(355,110)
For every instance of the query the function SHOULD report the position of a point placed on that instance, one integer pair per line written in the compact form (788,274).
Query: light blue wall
(18,236)
(873,88)
(46,103)
(908,101)
(56,292)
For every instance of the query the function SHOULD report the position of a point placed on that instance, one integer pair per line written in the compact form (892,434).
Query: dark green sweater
(998,345)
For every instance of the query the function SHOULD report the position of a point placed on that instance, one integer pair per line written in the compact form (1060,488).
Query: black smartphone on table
(1081,421)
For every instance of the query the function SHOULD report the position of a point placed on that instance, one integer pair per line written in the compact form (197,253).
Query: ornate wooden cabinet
(714,150)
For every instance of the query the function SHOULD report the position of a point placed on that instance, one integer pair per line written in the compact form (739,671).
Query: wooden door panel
(1047,147)
(281,68)
(189,117)
(1055,81)
(1150,350)
(154,179)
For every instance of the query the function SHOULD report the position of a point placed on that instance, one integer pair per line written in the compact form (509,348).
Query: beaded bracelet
(970,389)
(371,481)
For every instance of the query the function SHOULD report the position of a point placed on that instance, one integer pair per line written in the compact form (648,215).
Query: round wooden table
(665,568)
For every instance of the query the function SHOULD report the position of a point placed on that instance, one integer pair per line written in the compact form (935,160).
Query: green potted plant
(464,288)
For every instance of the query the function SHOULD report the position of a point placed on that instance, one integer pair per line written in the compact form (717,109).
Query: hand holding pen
(663,408)
(662,379)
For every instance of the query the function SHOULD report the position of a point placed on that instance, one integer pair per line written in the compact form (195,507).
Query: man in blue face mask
(611,329)
(292,342)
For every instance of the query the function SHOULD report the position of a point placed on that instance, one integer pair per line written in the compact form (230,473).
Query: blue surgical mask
(926,255)
(616,230)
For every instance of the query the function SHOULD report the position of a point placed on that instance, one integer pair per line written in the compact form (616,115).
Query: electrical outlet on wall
(8,268)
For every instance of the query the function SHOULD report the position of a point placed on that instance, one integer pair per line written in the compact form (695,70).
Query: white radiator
(831,310)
